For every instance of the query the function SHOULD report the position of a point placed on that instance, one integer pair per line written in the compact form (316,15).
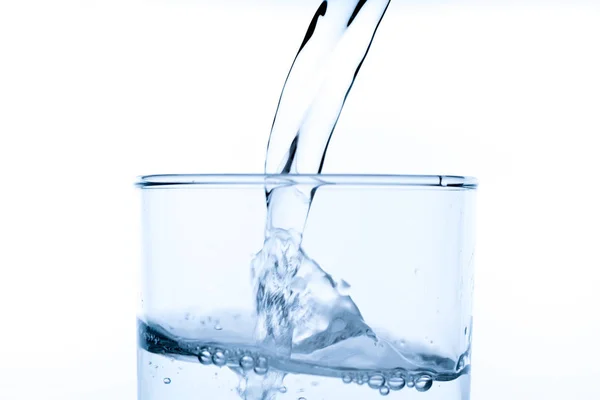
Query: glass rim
(199,180)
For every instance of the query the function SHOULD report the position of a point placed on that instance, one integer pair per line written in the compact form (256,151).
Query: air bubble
(219,358)
(283,389)
(218,327)
(346,378)
(261,366)
(396,382)
(247,362)
(376,381)
(384,390)
(205,357)
(167,381)
(424,383)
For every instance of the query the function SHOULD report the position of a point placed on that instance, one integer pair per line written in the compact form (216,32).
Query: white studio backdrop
(95,93)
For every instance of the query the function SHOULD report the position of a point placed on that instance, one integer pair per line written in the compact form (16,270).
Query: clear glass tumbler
(385,308)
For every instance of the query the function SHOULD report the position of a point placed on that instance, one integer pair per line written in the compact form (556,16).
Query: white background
(94,93)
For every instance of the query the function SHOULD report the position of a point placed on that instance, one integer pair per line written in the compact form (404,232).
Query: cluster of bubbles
(396,380)
(236,359)
(384,382)
(150,338)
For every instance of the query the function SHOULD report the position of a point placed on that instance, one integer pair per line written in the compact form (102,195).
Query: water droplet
(167,381)
(359,380)
(247,362)
(205,357)
(376,381)
(301,398)
(219,358)
(410,383)
(396,382)
(424,383)
(218,327)
(283,389)
(384,390)
(346,378)
(261,366)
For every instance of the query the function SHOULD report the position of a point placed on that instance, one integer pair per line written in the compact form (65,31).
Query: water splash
(296,300)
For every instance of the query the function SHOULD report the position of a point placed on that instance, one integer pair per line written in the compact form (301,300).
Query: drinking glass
(400,247)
